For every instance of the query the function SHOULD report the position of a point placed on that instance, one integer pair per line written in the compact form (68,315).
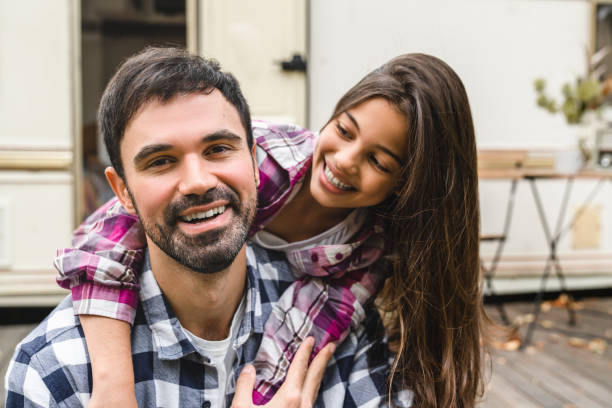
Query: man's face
(191,178)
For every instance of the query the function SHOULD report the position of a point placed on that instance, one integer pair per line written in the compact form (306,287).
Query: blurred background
(535,71)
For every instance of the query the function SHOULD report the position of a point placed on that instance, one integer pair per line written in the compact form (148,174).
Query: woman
(400,149)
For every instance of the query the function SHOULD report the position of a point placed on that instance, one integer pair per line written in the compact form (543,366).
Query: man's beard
(208,252)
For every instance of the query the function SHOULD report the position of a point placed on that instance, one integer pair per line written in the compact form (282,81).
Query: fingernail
(248,369)
(332,348)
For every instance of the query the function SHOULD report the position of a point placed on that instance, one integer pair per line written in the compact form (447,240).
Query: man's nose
(196,177)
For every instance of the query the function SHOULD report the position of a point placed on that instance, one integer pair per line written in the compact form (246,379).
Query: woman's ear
(120,188)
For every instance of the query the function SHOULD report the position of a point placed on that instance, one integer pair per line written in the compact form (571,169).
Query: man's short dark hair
(161,73)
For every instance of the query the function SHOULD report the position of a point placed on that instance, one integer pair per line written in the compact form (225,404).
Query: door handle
(295,64)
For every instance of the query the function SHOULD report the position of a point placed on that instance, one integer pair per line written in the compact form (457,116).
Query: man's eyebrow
(149,150)
(222,134)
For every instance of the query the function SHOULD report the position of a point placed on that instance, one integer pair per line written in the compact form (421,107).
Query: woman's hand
(301,386)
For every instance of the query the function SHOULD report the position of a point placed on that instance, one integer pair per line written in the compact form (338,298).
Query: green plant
(584,94)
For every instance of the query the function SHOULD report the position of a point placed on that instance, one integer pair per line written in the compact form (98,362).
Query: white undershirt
(221,353)
(340,233)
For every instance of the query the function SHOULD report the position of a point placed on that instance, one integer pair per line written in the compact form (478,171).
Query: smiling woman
(386,196)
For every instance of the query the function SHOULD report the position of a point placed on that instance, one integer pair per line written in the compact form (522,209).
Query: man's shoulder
(59,326)
(51,363)
(268,265)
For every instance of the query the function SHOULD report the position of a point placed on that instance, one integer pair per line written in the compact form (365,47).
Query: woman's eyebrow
(352,118)
(390,153)
(383,148)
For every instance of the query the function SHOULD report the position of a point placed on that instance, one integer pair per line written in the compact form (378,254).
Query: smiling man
(179,136)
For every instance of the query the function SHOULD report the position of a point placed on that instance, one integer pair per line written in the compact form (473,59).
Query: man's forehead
(184,113)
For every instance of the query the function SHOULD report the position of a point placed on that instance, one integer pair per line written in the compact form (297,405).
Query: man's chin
(208,252)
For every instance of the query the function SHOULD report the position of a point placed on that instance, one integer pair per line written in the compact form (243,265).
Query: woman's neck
(303,217)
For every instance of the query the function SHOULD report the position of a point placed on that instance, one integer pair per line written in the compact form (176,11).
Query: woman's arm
(108,344)
(100,270)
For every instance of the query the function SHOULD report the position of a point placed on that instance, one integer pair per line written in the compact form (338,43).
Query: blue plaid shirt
(51,368)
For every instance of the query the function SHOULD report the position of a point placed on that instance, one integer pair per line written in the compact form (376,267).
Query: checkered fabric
(50,367)
(108,246)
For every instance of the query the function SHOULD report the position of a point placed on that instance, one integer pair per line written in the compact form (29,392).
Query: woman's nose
(346,160)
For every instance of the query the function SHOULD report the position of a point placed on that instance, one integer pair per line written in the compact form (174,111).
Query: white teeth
(204,214)
(334,181)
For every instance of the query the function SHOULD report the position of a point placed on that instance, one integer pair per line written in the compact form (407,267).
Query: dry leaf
(511,343)
(548,324)
(598,346)
(577,342)
(531,350)
(578,305)
(545,307)
(501,361)
(561,301)
(524,319)
(555,337)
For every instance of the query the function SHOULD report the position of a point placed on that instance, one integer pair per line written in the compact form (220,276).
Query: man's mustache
(171,213)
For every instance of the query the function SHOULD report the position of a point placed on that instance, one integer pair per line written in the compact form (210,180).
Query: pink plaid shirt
(334,281)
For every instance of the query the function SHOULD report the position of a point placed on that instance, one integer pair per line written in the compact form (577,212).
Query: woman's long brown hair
(431,301)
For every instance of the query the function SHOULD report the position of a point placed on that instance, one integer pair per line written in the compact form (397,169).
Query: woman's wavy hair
(431,301)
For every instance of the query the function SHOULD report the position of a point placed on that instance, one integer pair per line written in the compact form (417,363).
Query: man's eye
(161,161)
(218,149)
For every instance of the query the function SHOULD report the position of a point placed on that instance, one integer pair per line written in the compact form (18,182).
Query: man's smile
(194,217)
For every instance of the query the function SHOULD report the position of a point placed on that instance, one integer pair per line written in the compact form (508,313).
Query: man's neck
(203,303)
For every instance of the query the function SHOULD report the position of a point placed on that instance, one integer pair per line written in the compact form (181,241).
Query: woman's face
(358,156)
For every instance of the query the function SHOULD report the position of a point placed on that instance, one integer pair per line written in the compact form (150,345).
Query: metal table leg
(489,272)
(552,261)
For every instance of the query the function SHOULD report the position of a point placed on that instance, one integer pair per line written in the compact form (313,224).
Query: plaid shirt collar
(168,335)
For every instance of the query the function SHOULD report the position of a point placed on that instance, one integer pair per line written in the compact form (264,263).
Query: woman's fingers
(301,384)
(243,397)
(297,370)
(314,375)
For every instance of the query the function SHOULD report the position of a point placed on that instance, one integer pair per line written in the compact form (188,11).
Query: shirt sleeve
(100,268)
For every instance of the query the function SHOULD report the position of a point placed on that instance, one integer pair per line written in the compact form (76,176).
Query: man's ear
(120,189)
(255,167)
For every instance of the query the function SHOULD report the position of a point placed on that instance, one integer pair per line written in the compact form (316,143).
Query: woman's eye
(378,165)
(342,130)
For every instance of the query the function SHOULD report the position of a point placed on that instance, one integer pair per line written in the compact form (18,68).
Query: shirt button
(314,257)
(339,256)
(206,404)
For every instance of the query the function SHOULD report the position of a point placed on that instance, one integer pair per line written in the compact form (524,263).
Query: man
(179,137)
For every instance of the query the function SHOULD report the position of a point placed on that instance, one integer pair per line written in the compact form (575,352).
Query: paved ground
(564,367)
